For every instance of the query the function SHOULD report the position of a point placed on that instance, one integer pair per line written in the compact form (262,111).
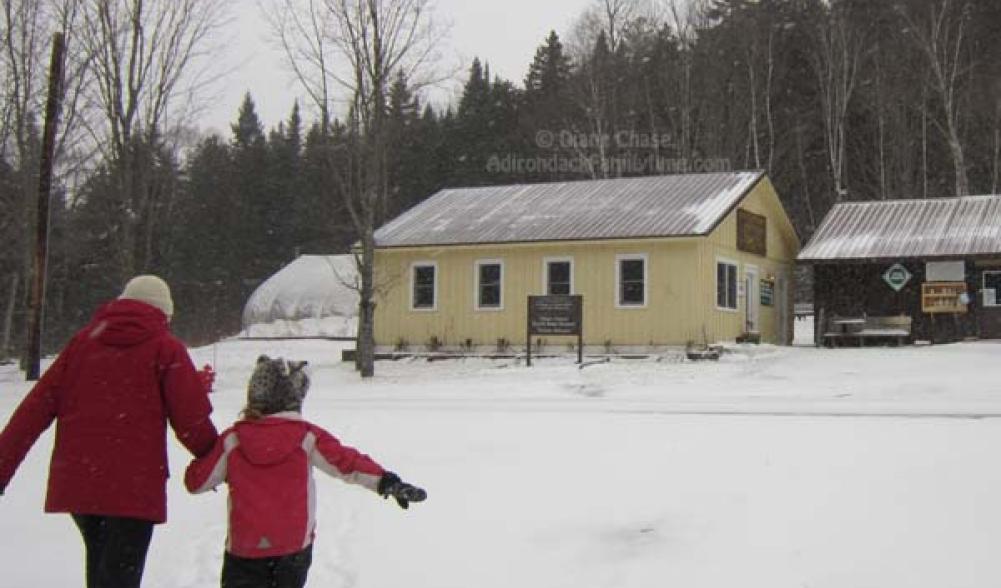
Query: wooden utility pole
(44,190)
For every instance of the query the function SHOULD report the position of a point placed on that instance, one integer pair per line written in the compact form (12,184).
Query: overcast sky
(505,34)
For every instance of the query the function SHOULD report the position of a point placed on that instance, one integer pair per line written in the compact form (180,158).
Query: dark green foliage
(739,82)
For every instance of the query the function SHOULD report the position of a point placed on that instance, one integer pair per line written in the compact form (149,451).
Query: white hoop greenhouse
(313,296)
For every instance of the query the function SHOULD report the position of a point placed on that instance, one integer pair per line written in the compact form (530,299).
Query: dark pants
(116,549)
(286,571)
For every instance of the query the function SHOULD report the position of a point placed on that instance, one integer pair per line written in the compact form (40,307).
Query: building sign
(556,315)
(767,292)
(944,297)
(751,232)
(897,276)
(945,271)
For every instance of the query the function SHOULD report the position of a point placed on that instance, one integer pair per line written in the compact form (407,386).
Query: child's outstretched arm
(352,466)
(341,461)
(205,473)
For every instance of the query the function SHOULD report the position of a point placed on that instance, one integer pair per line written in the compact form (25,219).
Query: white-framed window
(424,285)
(489,290)
(992,288)
(557,275)
(726,284)
(631,278)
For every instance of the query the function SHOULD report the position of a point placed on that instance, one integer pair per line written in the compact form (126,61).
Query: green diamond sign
(897,276)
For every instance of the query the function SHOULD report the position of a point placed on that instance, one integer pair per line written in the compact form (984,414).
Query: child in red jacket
(265,459)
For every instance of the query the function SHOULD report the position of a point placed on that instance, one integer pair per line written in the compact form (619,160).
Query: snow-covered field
(774,468)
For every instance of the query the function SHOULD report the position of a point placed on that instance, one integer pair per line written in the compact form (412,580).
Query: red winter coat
(272,496)
(112,391)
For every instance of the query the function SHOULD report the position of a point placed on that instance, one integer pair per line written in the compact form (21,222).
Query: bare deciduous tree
(757,57)
(685,20)
(837,56)
(301,30)
(359,45)
(25,34)
(611,17)
(941,37)
(143,55)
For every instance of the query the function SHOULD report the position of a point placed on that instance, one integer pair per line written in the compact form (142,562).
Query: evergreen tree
(285,210)
(548,115)
(259,213)
(549,73)
(484,129)
(406,164)
(472,137)
(327,228)
(207,253)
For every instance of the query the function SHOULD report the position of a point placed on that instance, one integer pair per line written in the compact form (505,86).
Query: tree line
(837,100)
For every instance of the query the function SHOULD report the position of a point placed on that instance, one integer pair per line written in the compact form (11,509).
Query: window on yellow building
(559,276)
(631,272)
(489,285)
(726,285)
(424,293)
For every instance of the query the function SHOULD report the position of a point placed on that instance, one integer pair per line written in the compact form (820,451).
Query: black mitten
(391,485)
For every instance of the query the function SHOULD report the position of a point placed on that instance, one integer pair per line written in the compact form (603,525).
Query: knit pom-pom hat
(276,386)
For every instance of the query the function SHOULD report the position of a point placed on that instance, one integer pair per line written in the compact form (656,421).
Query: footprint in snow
(588,390)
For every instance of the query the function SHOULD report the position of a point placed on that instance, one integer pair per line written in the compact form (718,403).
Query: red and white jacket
(268,465)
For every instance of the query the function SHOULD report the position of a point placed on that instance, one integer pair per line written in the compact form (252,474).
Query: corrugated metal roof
(893,229)
(657,206)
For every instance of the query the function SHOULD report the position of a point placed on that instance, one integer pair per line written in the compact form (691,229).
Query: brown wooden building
(930,266)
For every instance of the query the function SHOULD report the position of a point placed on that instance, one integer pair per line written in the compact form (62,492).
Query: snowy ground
(774,468)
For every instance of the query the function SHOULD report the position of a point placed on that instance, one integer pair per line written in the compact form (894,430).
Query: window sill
(630,306)
(435,309)
(489,309)
(728,310)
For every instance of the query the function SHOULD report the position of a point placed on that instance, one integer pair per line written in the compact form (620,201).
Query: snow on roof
(312,286)
(893,229)
(656,206)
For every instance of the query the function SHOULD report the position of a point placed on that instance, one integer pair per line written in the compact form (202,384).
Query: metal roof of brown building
(895,229)
(657,206)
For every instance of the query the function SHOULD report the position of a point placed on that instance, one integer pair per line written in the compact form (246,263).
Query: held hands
(392,485)
(206,376)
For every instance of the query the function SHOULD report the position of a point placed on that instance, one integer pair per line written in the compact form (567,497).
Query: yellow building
(664,260)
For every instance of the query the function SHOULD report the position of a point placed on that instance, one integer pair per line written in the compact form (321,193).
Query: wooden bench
(896,329)
(859,329)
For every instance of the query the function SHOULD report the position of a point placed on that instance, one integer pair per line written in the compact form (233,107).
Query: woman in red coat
(112,391)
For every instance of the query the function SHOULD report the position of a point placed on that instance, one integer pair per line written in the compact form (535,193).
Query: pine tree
(284,208)
(259,216)
(207,254)
(472,130)
(549,72)
(407,165)
(547,110)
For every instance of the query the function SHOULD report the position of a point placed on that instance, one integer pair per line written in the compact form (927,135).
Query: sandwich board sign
(897,276)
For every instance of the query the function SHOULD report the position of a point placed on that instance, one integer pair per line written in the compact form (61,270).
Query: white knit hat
(151,290)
